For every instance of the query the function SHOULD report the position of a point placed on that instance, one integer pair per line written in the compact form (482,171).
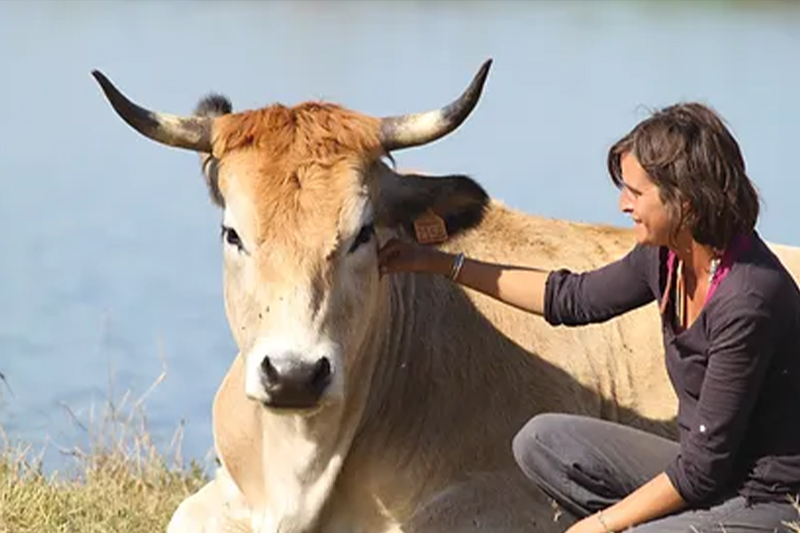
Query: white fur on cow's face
(302,302)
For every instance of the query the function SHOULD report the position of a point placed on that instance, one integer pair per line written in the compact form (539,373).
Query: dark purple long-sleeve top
(736,369)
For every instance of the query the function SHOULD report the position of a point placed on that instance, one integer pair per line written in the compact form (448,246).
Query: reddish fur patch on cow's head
(298,165)
(311,130)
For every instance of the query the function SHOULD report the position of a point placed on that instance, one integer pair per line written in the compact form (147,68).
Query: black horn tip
(101,79)
(111,92)
(484,70)
(130,112)
(476,87)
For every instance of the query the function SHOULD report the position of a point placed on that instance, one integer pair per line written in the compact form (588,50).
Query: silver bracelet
(602,521)
(458,262)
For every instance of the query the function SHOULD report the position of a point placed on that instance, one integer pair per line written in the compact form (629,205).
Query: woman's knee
(535,443)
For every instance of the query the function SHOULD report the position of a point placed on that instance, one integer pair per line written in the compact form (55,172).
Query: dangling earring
(712,271)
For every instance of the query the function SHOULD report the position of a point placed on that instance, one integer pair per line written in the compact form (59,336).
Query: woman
(731,323)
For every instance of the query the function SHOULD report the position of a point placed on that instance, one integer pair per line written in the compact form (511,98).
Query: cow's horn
(417,129)
(192,133)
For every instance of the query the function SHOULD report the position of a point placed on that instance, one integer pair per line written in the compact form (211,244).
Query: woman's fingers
(395,256)
(388,252)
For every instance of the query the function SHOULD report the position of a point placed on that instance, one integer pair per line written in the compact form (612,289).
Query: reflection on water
(110,256)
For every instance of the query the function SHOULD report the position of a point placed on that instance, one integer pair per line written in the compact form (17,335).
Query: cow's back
(619,362)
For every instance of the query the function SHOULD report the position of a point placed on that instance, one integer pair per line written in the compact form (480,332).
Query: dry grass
(120,482)
(795,526)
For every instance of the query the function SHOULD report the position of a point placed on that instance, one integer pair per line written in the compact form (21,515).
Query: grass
(114,494)
(795,526)
(120,482)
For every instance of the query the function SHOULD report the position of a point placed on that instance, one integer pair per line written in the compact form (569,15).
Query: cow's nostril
(270,372)
(290,382)
(322,372)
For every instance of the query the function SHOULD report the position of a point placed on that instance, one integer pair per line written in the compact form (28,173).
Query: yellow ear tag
(430,228)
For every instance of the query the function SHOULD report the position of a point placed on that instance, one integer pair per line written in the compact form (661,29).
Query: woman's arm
(561,296)
(517,286)
(654,499)
(523,288)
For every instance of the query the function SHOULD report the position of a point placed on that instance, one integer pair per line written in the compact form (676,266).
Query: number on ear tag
(430,228)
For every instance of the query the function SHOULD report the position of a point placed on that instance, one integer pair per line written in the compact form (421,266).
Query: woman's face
(640,198)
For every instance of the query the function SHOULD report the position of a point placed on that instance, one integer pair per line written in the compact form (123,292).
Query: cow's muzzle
(291,383)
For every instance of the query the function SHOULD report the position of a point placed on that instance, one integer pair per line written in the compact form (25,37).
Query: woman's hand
(404,256)
(521,287)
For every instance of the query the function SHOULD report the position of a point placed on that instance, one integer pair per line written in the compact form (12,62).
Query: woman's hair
(698,167)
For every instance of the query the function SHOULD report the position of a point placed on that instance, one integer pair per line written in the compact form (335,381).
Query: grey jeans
(587,464)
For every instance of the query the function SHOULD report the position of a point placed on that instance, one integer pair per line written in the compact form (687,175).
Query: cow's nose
(291,383)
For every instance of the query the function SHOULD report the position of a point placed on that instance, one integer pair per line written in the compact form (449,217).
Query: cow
(365,403)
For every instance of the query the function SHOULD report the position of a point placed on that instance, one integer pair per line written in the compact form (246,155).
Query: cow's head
(305,197)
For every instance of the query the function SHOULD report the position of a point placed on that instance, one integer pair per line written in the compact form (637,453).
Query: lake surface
(110,262)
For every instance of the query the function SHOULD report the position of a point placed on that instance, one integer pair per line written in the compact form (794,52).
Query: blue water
(109,252)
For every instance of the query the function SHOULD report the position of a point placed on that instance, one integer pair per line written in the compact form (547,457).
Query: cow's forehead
(294,172)
(309,203)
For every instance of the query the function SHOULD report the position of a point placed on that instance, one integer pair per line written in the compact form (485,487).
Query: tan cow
(365,404)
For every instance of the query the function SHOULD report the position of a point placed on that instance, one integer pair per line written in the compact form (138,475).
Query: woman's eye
(363,236)
(633,192)
(232,238)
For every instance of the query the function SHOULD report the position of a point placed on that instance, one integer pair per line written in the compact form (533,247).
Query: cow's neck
(301,457)
(285,465)
(412,407)
(435,387)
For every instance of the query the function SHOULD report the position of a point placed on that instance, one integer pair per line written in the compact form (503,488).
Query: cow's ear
(213,105)
(403,197)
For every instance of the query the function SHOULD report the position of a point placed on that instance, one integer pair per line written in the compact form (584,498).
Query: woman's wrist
(441,263)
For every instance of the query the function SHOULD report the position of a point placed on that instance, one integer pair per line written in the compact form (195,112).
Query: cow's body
(360,404)
(456,375)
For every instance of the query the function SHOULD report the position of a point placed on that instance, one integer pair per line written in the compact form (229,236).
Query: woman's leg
(587,464)
(732,516)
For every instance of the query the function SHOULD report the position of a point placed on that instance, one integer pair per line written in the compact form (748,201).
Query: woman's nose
(625,203)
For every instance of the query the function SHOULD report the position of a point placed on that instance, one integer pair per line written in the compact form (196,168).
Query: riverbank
(119,482)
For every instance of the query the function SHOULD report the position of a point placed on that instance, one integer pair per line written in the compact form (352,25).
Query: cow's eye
(232,238)
(363,237)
